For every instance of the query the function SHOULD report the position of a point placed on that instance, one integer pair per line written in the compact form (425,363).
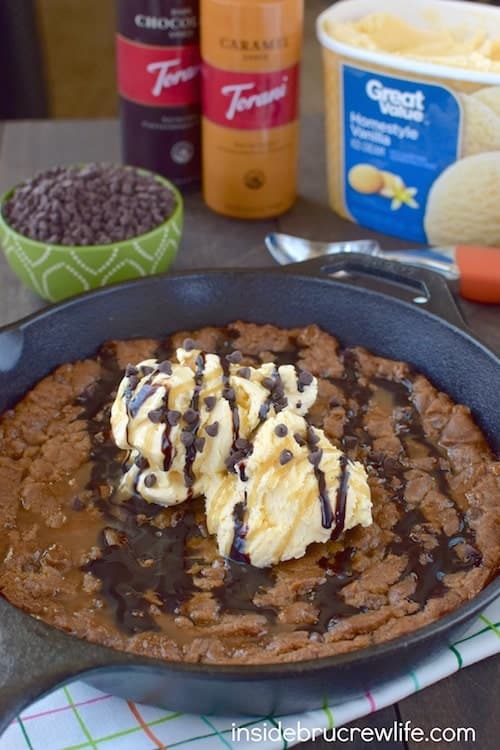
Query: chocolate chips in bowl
(71,229)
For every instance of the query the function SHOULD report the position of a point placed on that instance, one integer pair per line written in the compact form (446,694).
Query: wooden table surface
(465,699)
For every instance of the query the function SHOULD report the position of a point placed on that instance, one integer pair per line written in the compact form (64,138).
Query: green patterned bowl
(58,271)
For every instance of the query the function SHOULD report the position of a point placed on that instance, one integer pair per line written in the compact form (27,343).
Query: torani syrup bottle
(158,67)
(250,78)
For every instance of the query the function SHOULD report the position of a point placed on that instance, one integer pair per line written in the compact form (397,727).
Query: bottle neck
(249,36)
(164,23)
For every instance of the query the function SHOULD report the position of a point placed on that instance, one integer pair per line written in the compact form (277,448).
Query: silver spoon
(286,248)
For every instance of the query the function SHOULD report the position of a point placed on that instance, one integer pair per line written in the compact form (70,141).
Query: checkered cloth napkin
(77,717)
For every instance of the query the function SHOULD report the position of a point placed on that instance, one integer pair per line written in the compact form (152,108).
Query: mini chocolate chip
(305,378)
(141,462)
(212,429)
(190,416)
(188,480)
(130,370)
(315,457)
(133,381)
(281,430)
(210,402)
(278,391)
(199,444)
(280,404)
(187,438)
(234,459)
(268,383)
(244,372)
(235,357)
(156,415)
(298,405)
(77,503)
(242,444)
(285,457)
(189,345)
(150,480)
(299,439)
(147,370)
(173,417)
(165,367)
(312,437)
(229,394)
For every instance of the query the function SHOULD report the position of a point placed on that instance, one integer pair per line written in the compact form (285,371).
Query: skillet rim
(302,271)
(454,619)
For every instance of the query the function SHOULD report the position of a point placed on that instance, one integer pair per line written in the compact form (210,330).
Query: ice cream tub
(412,101)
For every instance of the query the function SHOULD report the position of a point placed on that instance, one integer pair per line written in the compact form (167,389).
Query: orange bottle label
(250,78)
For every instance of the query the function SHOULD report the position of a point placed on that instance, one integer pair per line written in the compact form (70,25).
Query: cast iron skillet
(35,657)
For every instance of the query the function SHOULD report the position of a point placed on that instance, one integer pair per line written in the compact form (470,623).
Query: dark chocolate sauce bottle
(158,68)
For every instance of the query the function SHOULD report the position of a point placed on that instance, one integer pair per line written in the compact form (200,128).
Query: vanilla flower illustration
(400,195)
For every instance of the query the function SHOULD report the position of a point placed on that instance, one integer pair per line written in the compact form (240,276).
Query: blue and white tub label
(399,136)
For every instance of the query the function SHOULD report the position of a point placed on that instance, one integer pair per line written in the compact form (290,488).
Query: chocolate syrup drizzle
(237,552)
(327,515)
(140,398)
(166,445)
(341,504)
(427,567)
(327,598)
(145,560)
(411,427)
(229,395)
(193,428)
(266,406)
(241,584)
(143,563)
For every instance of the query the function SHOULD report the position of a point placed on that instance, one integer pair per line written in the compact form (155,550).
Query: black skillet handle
(35,659)
(431,290)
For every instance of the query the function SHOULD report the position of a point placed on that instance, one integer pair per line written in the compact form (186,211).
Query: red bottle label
(250,101)
(158,76)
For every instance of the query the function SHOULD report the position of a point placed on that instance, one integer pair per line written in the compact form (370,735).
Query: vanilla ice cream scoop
(185,420)
(205,425)
(294,489)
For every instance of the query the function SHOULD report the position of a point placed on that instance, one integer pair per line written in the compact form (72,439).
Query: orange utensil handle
(479,273)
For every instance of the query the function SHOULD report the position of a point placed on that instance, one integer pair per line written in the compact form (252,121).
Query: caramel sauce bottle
(158,70)
(250,79)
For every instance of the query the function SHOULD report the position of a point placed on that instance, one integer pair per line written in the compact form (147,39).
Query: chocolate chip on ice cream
(212,429)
